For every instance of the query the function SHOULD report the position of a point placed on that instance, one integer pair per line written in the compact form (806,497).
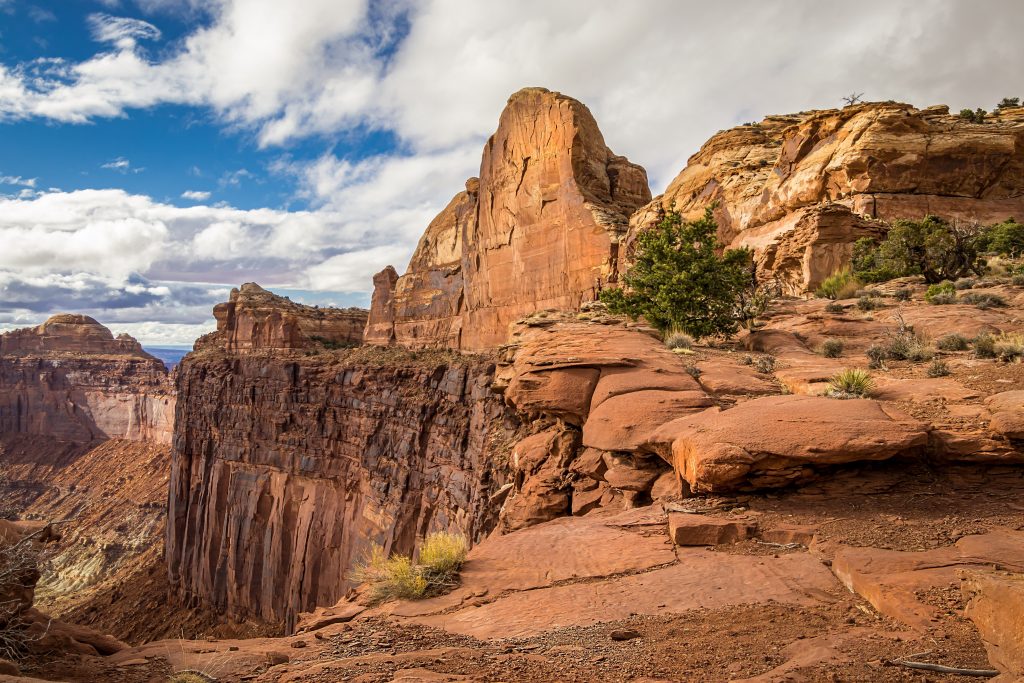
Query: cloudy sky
(154,153)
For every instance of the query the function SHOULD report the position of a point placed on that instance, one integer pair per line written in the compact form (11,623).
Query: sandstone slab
(996,606)
(688,529)
(625,422)
(1007,410)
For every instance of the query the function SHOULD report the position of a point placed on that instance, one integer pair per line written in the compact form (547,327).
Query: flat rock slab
(888,579)
(689,529)
(559,550)
(720,376)
(625,422)
(922,390)
(1007,411)
(701,579)
(775,438)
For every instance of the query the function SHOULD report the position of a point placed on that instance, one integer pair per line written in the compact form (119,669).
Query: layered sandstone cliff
(287,467)
(70,379)
(255,319)
(539,229)
(800,189)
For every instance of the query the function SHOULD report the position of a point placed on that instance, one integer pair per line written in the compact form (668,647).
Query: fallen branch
(982,673)
(784,546)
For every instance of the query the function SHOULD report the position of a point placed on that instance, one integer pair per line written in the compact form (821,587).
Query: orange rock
(768,441)
(257,319)
(625,422)
(688,529)
(1007,410)
(996,606)
(539,229)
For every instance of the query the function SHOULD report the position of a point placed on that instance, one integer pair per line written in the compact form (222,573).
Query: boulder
(1007,410)
(996,606)
(770,441)
(688,529)
(625,422)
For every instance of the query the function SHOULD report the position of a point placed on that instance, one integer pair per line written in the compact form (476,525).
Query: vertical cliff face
(286,467)
(539,229)
(801,189)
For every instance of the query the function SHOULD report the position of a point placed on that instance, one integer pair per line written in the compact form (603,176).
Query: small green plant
(839,285)
(834,307)
(1017,280)
(398,577)
(877,355)
(941,293)
(1009,346)
(747,359)
(1008,103)
(976,116)
(902,294)
(832,348)
(938,368)
(983,300)
(765,364)
(679,340)
(866,303)
(931,247)
(952,342)
(1006,239)
(964,283)
(984,346)
(850,383)
(906,344)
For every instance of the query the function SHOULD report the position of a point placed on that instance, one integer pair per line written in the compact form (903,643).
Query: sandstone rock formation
(800,189)
(287,467)
(255,319)
(539,229)
(70,379)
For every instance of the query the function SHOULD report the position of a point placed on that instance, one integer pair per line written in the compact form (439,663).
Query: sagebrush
(441,556)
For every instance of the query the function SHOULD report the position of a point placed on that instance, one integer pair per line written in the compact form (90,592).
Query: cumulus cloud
(17,180)
(195,195)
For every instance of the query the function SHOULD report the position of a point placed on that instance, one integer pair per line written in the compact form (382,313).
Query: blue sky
(155,153)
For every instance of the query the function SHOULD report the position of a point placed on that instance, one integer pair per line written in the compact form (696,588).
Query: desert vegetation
(398,577)
(850,383)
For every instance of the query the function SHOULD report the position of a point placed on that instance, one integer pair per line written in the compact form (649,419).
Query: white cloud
(122,165)
(195,195)
(17,180)
(123,32)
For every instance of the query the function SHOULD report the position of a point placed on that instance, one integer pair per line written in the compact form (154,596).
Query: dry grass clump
(1009,346)
(678,340)
(850,383)
(398,577)
(938,368)
(984,346)
(952,342)
(765,364)
(190,677)
(983,300)
(834,307)
(832,348)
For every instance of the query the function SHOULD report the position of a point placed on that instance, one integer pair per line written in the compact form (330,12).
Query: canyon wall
(539,229)
(288,466)
(800,189)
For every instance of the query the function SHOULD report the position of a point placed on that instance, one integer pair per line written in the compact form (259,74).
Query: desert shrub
(834,307)
(190,676)
(832,348)
(931,247)
(877,355)
(18,572)
(1017,280)
(1006,239)
(765,364)
(850,383)
(747,359)
(1009,346)
(678,280)
(903,294)
(943,299)
(866,303)
(693,371)
(982,300)
(952,342)
(984,346)
(398,577)
(938,368)
(905,344)
(976,116)
(1008,103)
(964,283)
(839,285)
(939,293)
(753,300)
(679,340)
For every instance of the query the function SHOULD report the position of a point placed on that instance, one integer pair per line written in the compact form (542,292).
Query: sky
(156,153)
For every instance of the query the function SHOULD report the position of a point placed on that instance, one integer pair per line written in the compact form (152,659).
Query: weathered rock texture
(255,319)
(539,229)
(70,379)
(286,468)
(801,189)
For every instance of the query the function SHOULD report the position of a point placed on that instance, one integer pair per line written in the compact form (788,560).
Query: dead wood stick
(983,673)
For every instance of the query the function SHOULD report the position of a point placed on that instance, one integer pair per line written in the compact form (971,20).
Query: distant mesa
(70,333)
(255,319)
